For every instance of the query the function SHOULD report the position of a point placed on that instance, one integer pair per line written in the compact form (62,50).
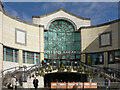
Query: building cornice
(58,11)
(108,23)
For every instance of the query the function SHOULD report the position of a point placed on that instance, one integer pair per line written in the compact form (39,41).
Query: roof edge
(94,26)
(61,9)
(21,20)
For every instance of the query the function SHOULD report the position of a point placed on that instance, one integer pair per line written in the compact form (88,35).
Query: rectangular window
(95,59)
(31,57)
(111,59)
(117,56)
(10,54)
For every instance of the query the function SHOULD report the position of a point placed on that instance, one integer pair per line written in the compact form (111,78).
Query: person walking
(35,83)
(79,85)
(13,82)
(107,83)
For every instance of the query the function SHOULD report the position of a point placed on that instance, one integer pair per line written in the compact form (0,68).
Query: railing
(27,71)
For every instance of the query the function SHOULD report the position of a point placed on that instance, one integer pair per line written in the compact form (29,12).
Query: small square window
(105,39)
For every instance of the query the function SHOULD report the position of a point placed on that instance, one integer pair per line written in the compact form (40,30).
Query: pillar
(1,64)
(41,33)
(83,58)
(20,58)
(106,59)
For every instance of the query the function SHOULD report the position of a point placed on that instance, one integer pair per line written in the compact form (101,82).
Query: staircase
(29,83)
(24,75)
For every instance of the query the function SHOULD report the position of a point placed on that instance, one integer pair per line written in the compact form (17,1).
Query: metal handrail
(26,70)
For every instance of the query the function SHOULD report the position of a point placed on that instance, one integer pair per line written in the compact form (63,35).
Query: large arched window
(62,42)
(61,26)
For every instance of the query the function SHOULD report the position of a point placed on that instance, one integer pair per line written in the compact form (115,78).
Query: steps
(29,83)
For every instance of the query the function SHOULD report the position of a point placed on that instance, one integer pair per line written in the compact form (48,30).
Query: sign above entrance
(63,52)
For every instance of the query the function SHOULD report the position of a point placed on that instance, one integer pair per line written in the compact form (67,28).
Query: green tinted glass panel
(61,41)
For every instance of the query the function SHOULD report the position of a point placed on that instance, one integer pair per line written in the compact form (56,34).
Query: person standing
(35,83)
(75,87)
(13,82)
(79,85)
(107,83)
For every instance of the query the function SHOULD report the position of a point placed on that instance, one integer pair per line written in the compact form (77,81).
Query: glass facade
(95,59)
(30,57)
(10,54)
(61,43)
(114,57)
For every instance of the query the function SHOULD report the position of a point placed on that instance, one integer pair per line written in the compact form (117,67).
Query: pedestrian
(79,85)
(75,87)
(107,83)
(35,83)
(13,82)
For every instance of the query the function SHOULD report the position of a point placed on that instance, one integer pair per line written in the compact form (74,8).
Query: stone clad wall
(90,38)
(20,35)
(45,20)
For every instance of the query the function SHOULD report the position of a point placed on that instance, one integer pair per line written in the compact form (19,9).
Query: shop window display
(95,59)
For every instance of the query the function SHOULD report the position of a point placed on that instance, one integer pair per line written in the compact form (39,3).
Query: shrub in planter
(89,72)
(62,68)
(80,70)
(33,75)
(47,70)
(50,69)
(54,68)
(42,73)
(69,69)
(81,67)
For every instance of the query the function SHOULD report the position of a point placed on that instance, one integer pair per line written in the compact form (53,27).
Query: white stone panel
(20,37)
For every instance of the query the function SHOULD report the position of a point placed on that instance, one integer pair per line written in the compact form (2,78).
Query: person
(79,84)
(107,83)
(13,82)
(75,87)
(35,83)
(9,86)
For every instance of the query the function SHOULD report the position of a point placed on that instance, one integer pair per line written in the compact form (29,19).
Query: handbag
(17,83)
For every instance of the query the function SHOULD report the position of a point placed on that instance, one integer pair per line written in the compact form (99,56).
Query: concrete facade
(90,39)
(34,33)
(34,37)
(61,14)
(90,42)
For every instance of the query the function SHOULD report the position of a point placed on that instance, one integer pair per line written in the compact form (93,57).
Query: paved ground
(63,89)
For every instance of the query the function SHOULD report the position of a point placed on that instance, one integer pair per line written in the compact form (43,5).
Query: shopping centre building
(59,37)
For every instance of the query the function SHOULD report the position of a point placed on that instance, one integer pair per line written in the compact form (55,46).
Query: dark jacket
(35,82)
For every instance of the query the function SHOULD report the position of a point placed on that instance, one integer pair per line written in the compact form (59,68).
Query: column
(20,58)
(1,64)
(106,59)
(41,33)
(83,58)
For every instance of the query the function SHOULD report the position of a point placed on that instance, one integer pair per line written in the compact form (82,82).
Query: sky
(99,12)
